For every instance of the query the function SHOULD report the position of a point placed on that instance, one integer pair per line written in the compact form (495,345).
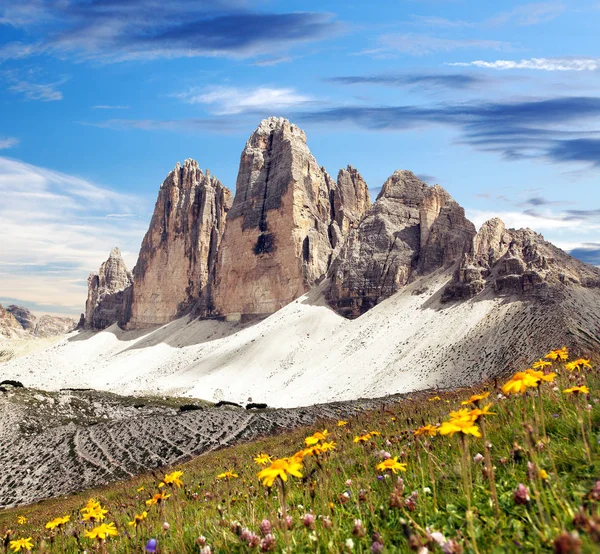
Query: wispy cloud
(223,100)
(542,64)
(28,84)
(107,107)
(147,29)
(8,142)
(418,45)
(556,129)
(588,252)
(434,80)
(529,14)
(60,232)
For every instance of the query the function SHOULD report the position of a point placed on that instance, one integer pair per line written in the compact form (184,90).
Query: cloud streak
(459,81)
(147,29)
(556,129)
(8,142)
(60,232)
(223,100)
(539,64)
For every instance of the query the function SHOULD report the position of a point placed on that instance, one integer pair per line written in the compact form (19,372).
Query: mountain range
(299,290)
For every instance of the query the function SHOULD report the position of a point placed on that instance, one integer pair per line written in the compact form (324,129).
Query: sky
(99,99)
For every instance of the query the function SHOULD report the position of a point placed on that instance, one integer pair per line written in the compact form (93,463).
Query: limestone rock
(23,316)
(52,326)
(277,241)
(412,229)
(350,199)
(516,262)
(177,259)
(10,328)
(107,292)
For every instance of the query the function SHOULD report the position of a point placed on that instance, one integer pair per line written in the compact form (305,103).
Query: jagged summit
(178,254)
(291,225)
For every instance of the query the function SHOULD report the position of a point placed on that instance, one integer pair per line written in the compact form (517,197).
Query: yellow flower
(578,365)
(157,498)
(576,390)
(341,423)
(485,411)
(21,544)
(174,478)
(463,413)
(465,426)
(21,520)
(137,519)
(375,433)
(318,436)
(57,522)
(475,398)
(140,489)
(362,438)
(91,505)
(541,364)
(102,532)
(433,399)
(519,382)
(429,430)
(280,468)
(562,355)
(392,464)
(540,376)
(543,474)
(227,475)
(328,446)
(263,459)
(95,514)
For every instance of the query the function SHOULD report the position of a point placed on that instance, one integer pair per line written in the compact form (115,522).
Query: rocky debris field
(56,443)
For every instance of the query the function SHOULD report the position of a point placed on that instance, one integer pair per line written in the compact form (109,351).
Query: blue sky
(497,102)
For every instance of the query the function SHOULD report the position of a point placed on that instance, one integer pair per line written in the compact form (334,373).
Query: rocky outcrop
(287,217)
(10,328)
(17,322)
(24,316)
(350,200)
(53,326)
(412,229)
(108,291)
(516,262)
(176,264)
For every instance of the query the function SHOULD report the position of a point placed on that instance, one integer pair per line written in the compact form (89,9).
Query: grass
(543,459)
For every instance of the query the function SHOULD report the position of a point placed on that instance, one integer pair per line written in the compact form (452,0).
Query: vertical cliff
(286,219)
(107,293)
(177,259)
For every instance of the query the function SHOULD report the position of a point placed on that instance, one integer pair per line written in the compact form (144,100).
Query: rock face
(52,326)
(107,293)
(287,217)
(17,322)
(10,328)
(23,316)
(412,229)
(516,262)
(175,268)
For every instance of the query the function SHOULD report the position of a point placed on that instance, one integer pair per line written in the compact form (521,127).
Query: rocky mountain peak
(176,263)
(107,293)
(412,229)
(277,237)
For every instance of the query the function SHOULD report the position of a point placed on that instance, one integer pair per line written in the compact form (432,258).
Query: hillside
(306,353)
(391,479)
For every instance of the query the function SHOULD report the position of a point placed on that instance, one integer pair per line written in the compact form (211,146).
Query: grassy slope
(208,507)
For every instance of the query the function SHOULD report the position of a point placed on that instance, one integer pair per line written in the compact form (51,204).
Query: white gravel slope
(303,354)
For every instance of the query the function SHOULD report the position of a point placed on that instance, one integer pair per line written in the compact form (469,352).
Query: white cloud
(60,231)
(107,107)
(233,100)
(8,142)
(543,64)
(26,83)
(416,44)
(530,14)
